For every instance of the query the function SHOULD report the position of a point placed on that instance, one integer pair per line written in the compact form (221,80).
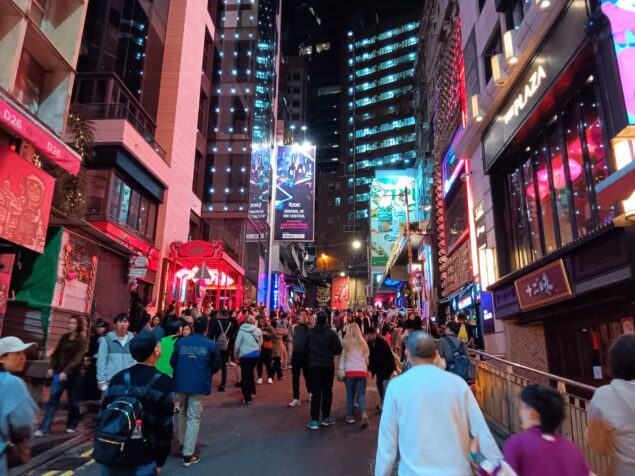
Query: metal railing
(498,387)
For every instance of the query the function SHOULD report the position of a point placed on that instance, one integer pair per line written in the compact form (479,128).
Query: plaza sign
(531,86)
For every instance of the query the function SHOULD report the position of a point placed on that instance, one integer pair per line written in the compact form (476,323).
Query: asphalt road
(267,437)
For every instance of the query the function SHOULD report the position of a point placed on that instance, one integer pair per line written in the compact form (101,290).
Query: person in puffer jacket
(247,351)
(353,370)
(113,355)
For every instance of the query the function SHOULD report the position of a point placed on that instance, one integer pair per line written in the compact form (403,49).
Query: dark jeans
(71,386)
(381,386)
(321,380)
(300,363)
(223,366)
(265,358)
(247,383)
(276,367)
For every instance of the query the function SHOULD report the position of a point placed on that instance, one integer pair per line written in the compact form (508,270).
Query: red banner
(6,268)
(26,193)
(45,142)
(544,286)
(341,293)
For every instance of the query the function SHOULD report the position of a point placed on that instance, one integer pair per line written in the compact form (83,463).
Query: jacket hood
(248,328)
(113,335)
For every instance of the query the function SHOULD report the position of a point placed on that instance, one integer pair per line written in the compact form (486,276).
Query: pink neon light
(559,178)
(472,224)
(455,174)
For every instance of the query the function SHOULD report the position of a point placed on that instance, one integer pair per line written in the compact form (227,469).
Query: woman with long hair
(353,370)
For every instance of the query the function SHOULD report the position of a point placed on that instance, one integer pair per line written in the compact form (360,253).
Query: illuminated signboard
(259,190)
(452,166)
(295,193)
(523,97)
(275,290)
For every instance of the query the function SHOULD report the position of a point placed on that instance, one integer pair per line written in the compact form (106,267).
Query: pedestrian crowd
(152,377)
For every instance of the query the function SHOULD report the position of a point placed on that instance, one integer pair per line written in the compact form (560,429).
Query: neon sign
(532,85)
(275,291)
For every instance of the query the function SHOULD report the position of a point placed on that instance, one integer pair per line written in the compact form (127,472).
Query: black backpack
(118,441)
(460,365)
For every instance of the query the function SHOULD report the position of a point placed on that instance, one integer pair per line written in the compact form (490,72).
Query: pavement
(267,437)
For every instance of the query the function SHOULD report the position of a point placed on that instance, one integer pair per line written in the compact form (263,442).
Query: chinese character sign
(544,286)
(295,193)
(26,193)
(388,214)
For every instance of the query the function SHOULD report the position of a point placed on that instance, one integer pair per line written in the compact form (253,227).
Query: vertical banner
(295,193)
(6,269)
(341,293)
(26,193)
(259,191)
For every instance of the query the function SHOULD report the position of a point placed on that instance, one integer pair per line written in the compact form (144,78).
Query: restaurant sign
(544,286)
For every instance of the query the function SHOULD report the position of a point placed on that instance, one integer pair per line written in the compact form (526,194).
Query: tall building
(241,134)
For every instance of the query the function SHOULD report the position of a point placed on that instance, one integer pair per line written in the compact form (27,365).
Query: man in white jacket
(429,418)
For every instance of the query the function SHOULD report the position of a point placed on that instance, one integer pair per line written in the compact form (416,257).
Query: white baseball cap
(13,344)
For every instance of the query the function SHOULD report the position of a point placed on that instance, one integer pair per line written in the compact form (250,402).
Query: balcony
(104,96)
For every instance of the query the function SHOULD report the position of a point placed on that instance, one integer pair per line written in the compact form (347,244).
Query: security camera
(464,176)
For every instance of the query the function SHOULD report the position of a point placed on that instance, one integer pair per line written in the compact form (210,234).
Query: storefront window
(541,164)
(582,206)
(595,144)
(519,229)
(531,206)
(560,184)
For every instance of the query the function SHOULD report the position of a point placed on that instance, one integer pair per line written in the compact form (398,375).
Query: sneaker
(350,419)
(259,381)
(190,460)
(308,399)
(328,421)
(38,434)
(232,364)
(294,403)
(71,430)
(221,388)
(313,425)
(244,402)
(269,381)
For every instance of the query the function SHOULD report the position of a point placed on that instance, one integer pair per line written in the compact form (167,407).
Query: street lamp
(342,274)
(357,244)
(324,261)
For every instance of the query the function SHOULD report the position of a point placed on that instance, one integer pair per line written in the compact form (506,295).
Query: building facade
(550,151)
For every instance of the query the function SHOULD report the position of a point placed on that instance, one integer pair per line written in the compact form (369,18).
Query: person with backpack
(222,331)
(113,355)
(195,360)
(17,408)
(134,431)
(246,352)
(454,351)
(429,419)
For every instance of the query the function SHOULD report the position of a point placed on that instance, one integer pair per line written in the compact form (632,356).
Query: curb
(49,455)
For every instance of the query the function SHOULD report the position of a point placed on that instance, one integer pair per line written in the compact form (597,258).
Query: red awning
(195,253)
(22,123)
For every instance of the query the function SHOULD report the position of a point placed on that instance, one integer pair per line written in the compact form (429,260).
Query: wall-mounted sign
(275,290)
(452,165)
(295,193)
(259,190)
(486,311)
(525,94)
(479,210)
(341,293)
(544,286)
(26,193)
(198,248)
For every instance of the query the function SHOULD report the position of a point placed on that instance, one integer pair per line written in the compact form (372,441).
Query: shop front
(200,273)
(566,260)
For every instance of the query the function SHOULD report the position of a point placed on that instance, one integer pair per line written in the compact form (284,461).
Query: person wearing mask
(611,415)
(381,361)
(414,415)
(90,391)
(173,332)
(66,363)
(268,334)
(194,360)
(157,401)
(353,370)
(277,352)
(17,408)
(323,345)
(300,357)
(114,355)
(222,331)
(453,350)
(246,352)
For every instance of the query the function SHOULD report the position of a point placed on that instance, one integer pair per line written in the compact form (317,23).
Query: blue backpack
(459,365)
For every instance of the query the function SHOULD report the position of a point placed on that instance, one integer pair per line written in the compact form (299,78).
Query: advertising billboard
(341,293)
(295,193)
(259,191)
(388,214)
(26,193)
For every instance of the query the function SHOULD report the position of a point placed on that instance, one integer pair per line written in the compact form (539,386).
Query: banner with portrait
(259,191)
(341,293)
(295,193)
